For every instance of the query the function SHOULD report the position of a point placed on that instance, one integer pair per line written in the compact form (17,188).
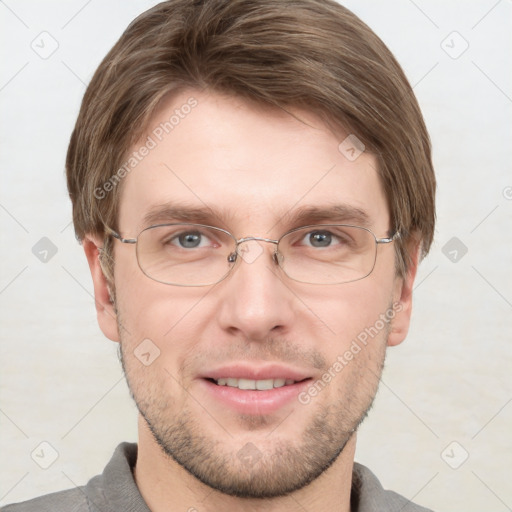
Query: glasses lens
(185,254)
(328,254)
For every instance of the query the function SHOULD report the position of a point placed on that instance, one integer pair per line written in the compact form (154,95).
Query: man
(253,187)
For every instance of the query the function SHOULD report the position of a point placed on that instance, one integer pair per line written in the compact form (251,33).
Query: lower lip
(254,401)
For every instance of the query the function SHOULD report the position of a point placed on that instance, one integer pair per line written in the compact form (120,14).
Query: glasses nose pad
(232,257)
(278,258)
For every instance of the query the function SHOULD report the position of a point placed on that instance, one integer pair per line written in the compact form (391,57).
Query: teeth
(279,383)
(246,384)
(261,385)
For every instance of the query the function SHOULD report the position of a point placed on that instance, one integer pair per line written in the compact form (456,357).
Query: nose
(256,301)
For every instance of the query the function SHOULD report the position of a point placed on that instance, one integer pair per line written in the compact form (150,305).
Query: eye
(189,240)
(321,239)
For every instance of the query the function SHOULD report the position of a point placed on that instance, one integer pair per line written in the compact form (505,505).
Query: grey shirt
(115,491)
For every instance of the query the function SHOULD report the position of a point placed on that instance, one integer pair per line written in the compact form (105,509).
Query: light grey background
(446,392)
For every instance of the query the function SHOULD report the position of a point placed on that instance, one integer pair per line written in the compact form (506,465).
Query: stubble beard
(253,472)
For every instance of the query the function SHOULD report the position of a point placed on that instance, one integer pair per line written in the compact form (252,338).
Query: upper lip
(254,372)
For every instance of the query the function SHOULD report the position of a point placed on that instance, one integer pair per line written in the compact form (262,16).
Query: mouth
(253,384)
(256,390)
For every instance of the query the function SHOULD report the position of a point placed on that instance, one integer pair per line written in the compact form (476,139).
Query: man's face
(254,169)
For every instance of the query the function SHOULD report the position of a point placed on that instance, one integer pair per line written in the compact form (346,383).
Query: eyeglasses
(200,255)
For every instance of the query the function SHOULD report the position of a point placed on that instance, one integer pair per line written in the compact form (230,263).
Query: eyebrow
(180,212)
(335,213)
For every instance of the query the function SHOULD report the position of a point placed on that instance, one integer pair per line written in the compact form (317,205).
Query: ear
(107,316)
(402,300)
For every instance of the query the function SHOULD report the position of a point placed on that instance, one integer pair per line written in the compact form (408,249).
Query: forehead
(250,166)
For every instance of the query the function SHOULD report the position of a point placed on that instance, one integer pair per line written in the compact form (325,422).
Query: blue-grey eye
(190,240)
(320,238)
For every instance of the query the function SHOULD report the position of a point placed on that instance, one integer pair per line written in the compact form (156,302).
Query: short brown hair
(311,54)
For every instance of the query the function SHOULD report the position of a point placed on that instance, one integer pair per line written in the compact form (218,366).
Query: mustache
(272,349)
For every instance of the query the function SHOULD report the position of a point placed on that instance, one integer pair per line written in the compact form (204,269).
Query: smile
(252,384)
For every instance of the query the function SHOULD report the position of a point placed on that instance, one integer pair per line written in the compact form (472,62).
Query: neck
(165,485)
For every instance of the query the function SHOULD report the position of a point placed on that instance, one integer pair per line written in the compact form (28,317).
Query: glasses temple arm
(113,233)
(389,239)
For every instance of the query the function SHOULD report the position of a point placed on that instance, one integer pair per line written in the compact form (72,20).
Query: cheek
(142,302)
(349,309)
(159,335)
(154,314)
